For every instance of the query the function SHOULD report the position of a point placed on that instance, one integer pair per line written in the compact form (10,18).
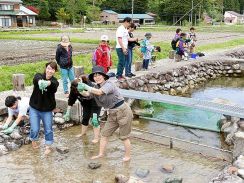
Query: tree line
(72,11)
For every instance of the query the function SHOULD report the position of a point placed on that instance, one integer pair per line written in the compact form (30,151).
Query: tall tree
(93,13)
(241,6)
(62,15)
(76,9)
(54,6)
(44,10)
(232,5)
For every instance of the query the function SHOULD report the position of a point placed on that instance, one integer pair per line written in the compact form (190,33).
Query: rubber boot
(96,131)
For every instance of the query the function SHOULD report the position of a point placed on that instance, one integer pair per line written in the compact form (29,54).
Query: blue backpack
(143,46)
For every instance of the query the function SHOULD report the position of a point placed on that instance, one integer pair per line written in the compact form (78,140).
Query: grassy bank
(84,60)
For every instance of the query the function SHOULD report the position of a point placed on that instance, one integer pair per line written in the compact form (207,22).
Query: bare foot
(48,150)
(80,135)
(66,95)
(35,145)
(98,156)
(126,159)
(94,141)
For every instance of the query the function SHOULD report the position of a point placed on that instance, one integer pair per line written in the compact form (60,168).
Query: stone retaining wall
(180,81)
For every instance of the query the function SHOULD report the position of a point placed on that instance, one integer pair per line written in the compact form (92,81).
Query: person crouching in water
(120,115)
(17,109)
(42,103)
(90,108)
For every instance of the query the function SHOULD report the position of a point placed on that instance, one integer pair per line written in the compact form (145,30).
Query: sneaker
(129,76)
(132,74)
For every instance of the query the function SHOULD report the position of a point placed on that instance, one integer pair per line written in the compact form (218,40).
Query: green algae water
(230,89)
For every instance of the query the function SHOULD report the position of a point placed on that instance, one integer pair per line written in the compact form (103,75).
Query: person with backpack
(131,45)
(102,55)
(64,60)
(146,49)
(181,46)
(176,38)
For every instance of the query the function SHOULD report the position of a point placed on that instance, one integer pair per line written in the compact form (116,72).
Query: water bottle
(95,120)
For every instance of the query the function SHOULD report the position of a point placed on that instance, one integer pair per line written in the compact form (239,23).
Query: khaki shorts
(120,117)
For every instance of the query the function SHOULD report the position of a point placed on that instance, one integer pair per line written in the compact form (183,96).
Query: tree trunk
(18,82)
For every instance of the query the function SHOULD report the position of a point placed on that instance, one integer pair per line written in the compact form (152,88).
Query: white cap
(104,38)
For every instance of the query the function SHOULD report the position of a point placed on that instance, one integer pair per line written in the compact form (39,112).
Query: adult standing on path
(64,60)
(131,45)
(42,103)
(122,38)
(120,115)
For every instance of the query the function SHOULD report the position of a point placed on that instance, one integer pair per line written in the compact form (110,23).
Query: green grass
(39,31)
(29,69)
(55,39)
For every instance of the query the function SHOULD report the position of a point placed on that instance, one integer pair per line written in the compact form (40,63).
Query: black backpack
(174,42)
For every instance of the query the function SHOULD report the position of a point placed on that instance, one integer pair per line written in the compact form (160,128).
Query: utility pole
(192,12)
(132,9)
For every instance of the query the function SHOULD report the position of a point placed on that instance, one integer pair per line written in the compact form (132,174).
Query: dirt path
(21,51)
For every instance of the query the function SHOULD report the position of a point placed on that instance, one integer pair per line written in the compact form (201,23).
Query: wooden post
(78,71)
(138,65)
(18,82)
(171,54)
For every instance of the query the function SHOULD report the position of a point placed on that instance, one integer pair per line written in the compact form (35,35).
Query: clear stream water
(231,89)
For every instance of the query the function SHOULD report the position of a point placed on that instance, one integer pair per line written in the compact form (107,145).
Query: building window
(6,22)
(6,7)
(31,20)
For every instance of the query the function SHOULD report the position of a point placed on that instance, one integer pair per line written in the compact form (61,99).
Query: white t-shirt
(22,108)
(123,33)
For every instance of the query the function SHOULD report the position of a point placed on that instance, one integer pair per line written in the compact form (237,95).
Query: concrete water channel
(150,151)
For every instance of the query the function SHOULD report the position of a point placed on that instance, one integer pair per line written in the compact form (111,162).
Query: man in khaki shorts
(120,115)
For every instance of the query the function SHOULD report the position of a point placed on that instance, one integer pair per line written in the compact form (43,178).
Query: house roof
(11,1)
(235,14)
(110,11)
(135,16)
(27,11)
(23,11)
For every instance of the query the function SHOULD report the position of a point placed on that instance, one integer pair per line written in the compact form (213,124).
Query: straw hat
(65,41)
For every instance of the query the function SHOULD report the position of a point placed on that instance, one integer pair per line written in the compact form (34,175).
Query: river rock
(232,170)
(62,150)
(11,146)
(236,66)
(15,135)
(173,180)
(3,150)
(6,137)
(241,124)
(167,168)
(27,140)
(240,172)
(1,139)
(94,165)
(59,115)
(239,163)
(225,125)
(121,178)
(142,173)
(59,120)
